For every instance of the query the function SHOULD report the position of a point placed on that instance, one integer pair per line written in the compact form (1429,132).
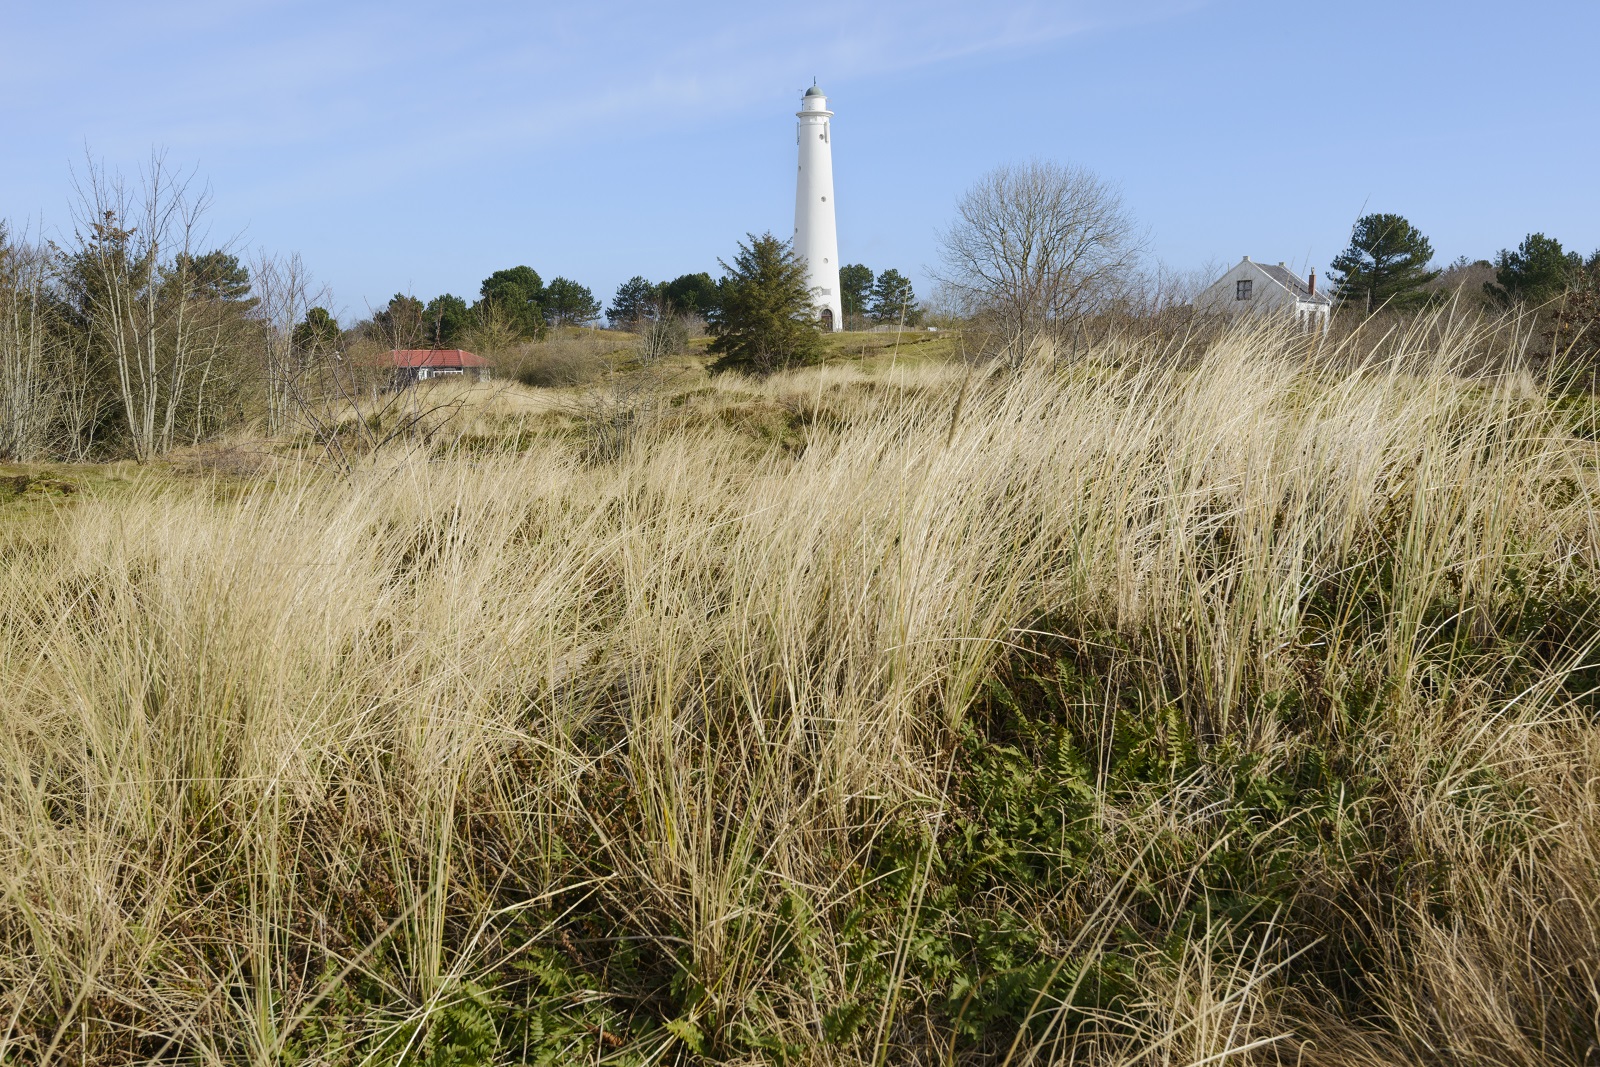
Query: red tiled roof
(445,358)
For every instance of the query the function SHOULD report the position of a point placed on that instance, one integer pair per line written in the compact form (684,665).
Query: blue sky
(417,147)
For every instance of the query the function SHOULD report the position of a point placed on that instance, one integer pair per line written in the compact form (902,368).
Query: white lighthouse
(816,235)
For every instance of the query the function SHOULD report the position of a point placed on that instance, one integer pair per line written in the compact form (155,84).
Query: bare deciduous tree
(81,398)
(284,296)
(492,334)
(1034,244)
(662,334)
(29,380)
(145,300)
(51,391)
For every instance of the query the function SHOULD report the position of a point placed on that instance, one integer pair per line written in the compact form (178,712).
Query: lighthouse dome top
(814,103)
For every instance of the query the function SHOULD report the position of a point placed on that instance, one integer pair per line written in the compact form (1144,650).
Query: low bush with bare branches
(565,358)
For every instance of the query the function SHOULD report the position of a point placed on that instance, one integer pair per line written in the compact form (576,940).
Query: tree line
(882,299)
(1388,264)
(513,304)
(867,297)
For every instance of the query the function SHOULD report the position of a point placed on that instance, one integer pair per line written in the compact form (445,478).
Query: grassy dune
(1119,713)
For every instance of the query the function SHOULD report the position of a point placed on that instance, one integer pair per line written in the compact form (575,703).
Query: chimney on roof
(1312,285)
(1247,259)
(1282,264)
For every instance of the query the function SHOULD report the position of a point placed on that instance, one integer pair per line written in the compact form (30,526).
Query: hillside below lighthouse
(816,233)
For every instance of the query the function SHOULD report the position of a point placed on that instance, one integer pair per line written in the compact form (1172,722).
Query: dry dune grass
(1123,713)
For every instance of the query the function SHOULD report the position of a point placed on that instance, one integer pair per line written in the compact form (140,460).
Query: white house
(1259,288)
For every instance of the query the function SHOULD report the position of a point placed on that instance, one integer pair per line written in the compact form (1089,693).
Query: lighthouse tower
(816,235)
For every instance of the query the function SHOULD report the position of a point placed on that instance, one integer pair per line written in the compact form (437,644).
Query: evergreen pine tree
(446,319)
(399,323)
(893,300)
(637,300)
(1537,272)
(691,294)
(855,288)
(317,332)
(517,294)
(567,303)
(217,274)
(1386,265)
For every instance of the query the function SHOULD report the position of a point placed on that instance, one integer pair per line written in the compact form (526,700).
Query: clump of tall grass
(1117,711)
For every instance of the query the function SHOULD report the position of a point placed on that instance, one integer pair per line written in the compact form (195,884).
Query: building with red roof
(423,364)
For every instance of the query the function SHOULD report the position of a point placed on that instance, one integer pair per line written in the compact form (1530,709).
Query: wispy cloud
(321,88)
(344,124)
(734,57)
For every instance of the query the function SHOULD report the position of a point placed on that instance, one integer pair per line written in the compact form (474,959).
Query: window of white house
(1241,289)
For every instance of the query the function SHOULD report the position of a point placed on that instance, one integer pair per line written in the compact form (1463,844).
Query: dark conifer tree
(766,321)
(691,294)
(638,300)
(893,300)
(855,288)
(517,294)
(317,332)
(446,320)
(1538,271)
(401,322)
(1386,265)
(567,303)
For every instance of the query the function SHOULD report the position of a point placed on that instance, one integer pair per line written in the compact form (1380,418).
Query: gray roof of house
(1285,277)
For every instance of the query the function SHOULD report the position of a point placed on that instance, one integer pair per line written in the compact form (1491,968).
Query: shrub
(766,319)
(561,360)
